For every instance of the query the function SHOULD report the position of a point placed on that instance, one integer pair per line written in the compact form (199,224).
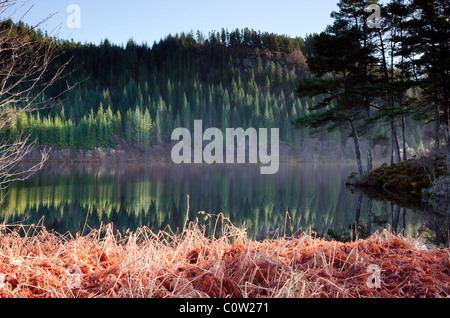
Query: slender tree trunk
(390,95)
(446,129)
(367,106)
(402,95)
(391,103)
(395,144)
(357,148)
(405,156)
(369,143)
(392,148)
(436,127)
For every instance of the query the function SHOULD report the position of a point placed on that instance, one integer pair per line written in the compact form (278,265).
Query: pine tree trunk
(405,157)
(390,95)
(357,148)
(436,127)
(447,131)
(367,105)
(395,142)
(392,148)
(369,141)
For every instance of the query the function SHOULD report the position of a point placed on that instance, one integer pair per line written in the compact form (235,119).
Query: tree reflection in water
(298,197)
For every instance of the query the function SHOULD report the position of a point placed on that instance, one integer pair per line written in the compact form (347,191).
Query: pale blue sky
(149,21)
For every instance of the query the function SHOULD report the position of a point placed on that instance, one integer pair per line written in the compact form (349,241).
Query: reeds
(35,263)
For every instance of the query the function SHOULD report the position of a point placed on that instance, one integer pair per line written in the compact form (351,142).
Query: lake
(297,198)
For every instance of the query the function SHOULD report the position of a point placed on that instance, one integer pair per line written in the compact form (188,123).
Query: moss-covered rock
(410,176)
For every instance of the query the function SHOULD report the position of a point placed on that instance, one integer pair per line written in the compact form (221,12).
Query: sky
(147,21)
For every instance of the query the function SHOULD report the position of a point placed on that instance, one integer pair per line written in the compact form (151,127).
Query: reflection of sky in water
(314,197)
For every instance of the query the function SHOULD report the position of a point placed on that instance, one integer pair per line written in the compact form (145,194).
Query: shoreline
(98,158)
(123,154)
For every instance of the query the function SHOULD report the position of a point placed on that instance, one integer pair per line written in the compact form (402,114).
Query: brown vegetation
(35,263)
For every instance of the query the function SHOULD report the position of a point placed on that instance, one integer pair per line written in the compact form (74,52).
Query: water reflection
(296,198)
(435,226)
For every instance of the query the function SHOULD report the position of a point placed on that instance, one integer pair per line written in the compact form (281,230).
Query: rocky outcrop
(293,63)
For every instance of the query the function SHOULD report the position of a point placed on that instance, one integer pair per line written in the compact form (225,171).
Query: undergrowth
(36,263)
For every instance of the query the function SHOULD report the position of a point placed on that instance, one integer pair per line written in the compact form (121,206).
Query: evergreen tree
(338,52)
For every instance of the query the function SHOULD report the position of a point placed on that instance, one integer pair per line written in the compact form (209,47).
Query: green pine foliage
(140,94)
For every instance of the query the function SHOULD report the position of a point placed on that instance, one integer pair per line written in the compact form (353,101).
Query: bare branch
(28,68)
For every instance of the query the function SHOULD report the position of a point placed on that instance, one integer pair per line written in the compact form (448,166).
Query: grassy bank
(35,263)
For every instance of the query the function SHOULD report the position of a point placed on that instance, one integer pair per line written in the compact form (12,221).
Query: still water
(297,198)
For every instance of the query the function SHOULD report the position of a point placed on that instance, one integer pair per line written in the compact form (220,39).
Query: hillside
(130,98)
